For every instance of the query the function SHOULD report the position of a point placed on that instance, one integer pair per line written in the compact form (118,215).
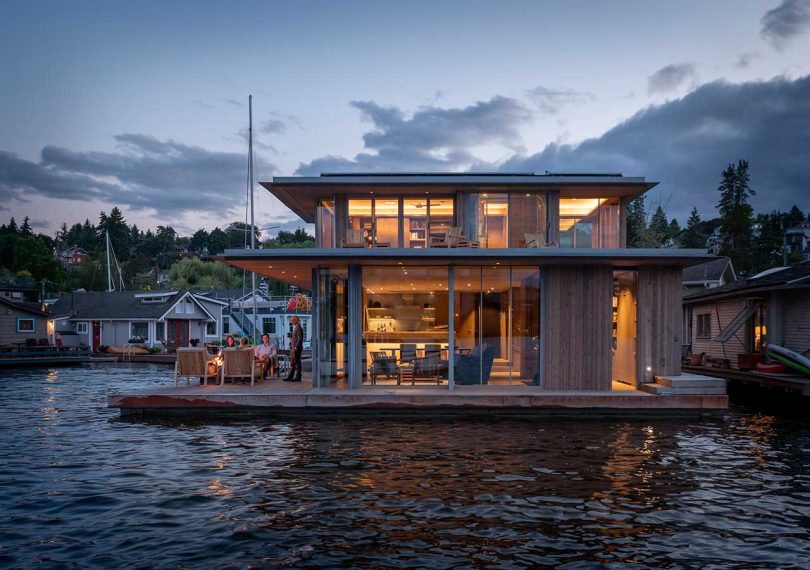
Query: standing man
(296,348)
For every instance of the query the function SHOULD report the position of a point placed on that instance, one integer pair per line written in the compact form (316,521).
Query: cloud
(745,60)
(147,174)
(670,77)
(550,101)
(273,125)
(783,23)
(234,102)
(432,138)
(687,142)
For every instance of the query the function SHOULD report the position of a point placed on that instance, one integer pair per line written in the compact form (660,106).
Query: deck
(276,397)
(788,382)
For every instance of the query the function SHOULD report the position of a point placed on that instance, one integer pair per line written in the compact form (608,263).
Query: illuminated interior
(589,222)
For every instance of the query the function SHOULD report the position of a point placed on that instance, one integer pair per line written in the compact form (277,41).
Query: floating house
(734,322)
(154,318)
(490,280)
(21,323)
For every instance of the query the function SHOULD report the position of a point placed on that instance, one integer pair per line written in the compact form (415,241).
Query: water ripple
(81,487)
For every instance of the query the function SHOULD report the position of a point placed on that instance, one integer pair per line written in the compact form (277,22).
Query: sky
(143,105)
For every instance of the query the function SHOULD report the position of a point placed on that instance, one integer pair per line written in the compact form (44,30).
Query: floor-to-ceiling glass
(386,222)
(493,220)
(496,325)
(405,326)
(590,222)
(624,327)
(332,339)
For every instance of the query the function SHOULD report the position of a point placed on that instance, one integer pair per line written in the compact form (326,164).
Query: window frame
(704,325)
(82,325)
(33,322)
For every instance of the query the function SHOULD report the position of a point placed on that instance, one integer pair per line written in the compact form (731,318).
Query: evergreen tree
(794,218)
(199,241)
(694,237)
(767,248)
(637,223)
(736,214)
(25,229)
(674,233)
(658,230)
(217,241)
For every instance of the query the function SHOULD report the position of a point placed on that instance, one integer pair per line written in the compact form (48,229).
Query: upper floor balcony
(504,211)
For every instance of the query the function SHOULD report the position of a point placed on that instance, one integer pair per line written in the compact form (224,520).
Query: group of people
(267,354)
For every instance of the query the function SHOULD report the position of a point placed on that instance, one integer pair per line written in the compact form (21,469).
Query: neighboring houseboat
(733,323)
(155,318)
(21,323)
(480,279)
(708,275)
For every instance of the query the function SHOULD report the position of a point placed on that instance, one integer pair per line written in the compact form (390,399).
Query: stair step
(662,390)
(691,381)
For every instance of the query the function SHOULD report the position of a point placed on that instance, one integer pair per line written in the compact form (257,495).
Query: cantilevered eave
(294,266)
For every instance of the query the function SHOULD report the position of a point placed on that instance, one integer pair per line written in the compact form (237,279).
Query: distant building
(708,275)
(169,318)
(714,243)
(797,241)
(21,322)
(72,256)
(741,317)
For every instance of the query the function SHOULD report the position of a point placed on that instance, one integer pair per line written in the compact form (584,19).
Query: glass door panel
(386,222)
(360,219)
(415,214)
(493,220)
(440,216)
(332,328)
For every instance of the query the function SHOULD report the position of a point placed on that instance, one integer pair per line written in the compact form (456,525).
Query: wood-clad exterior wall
(8,325)
(577,331)
(721,313)
(659,326)
(796,322)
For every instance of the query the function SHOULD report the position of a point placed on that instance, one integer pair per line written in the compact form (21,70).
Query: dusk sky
(143,105)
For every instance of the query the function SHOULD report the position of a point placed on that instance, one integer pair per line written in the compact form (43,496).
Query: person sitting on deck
(266,354)
(244,342)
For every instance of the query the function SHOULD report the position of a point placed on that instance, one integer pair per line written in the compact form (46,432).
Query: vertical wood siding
(659,326)
(578,328)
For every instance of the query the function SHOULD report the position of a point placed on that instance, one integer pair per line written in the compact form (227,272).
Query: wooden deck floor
(277,395)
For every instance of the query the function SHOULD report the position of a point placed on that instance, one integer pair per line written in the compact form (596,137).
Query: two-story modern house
(479,279)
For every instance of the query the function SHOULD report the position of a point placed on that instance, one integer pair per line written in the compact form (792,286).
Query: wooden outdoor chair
(382,365)
(354,238)
(238,363)
(538,240)
(190,362)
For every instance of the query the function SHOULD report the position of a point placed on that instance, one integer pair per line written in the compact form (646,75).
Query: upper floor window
(397,222)
(325,229)
(507,220)
(590,222)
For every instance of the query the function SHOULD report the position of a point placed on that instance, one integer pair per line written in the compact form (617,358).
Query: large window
(326,224)
(398,222)
(589,222)
(26,324)
(507,220)
(333,327)
(268,325)
(405,326)
(497,325)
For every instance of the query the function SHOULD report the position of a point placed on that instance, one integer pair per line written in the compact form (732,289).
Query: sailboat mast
(110,287)
(252,219)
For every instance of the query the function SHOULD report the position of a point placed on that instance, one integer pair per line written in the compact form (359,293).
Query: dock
(277,397)
(785,382)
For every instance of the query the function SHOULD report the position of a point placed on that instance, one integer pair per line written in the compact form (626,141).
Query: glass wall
(386,222)
(398,222)
(624,326)
(360,220)
(497,325)
(332,334)
(405,326)
(590,222)
(507,220)
(326,224)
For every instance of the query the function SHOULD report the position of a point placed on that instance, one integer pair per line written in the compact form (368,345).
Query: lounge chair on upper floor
(354,238)
(452,238)
(192,361)
(538,240)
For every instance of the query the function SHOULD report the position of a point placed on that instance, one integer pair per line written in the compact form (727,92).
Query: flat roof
(294,266)
(303,193)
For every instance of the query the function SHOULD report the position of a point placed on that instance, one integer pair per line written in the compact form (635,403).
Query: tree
(30,254)
(659,228)
(674,231)
(193,273)
(736,214)
(120,235)
(297,239)
(199,241)
(767,248)
(217,241)
(25,228)
(693,237)
(794,218)
(637,223)
(239,234)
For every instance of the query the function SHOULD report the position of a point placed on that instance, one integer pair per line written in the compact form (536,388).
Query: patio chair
(431,367)
(354,238)
(382,365)
(407,353)
(192,362)
(538,240)
(238,363)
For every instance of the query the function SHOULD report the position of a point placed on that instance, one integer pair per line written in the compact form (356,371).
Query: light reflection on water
(79,485)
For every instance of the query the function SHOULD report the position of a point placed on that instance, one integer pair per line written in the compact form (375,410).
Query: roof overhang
(294,266)
(303,194)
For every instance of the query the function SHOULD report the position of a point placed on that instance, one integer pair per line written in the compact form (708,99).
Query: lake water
(81,487)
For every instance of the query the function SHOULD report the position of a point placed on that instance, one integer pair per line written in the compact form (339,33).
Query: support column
(315,332)
(451,340)
(355,318)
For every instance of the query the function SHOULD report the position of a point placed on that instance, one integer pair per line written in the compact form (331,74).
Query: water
(80,487)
